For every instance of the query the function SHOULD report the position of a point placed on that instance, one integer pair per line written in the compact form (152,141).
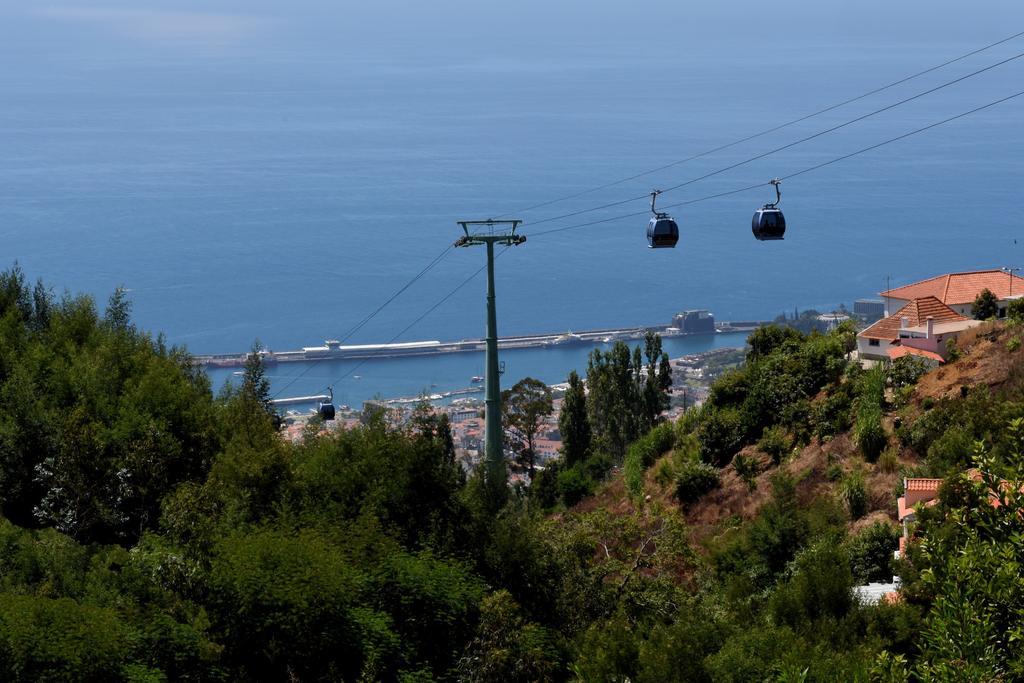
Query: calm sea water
(283,196)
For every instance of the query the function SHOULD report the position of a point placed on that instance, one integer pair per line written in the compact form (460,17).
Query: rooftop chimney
(930,327)
(904,322)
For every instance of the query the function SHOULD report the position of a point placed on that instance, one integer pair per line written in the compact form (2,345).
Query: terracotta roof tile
(961,288)
(917,311)
(900,351)
(923,484)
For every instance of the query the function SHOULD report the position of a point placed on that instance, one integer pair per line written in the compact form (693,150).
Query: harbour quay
(685,323)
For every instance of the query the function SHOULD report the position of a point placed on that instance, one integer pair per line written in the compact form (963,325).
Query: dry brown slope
(986,360)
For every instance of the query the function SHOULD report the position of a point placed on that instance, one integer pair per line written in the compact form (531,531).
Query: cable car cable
(716,195)
(371,316)
(809,169)
(440,256)
(766,131)
(783,147)
(415,322)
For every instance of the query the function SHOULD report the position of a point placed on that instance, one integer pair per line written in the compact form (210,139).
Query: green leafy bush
(871,552)
(869,432)
(1015,310)
(574,485)
(694,479)
(643,452)
(665,474)
(722,433)
(854,494)
(774,443)
(889,461)
(906,370)
(747,468)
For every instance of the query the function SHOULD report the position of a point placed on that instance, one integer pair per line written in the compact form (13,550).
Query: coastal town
(921,319)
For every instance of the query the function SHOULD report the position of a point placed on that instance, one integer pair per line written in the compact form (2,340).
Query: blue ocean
(249,174)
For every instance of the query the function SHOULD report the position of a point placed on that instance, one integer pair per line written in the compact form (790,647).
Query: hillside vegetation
(155,531)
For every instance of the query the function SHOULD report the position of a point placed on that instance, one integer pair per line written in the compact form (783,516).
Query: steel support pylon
(494,450)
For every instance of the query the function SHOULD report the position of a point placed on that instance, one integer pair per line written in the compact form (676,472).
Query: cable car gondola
(326,408)
(769,223)
(662,231)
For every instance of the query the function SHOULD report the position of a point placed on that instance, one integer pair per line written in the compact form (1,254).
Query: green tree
(573,423)
(969,574)
(765,340)
(119,310)
(613,399)
(1015,310)
(507,647)
(255,384)
(985,306)
(524,408)
(626,396)
(657,382)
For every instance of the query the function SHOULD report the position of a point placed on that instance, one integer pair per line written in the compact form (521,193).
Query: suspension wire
(786,146)
(362,323)
(688,202)
(763,132)
(415,322)
(441,255)
(809,169)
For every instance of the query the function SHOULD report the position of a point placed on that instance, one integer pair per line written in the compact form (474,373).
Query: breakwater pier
(683,324)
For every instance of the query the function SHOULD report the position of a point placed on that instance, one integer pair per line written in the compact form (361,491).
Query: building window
(873,342)
(1002,312)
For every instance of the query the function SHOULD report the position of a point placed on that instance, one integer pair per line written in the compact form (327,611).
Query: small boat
(476,379)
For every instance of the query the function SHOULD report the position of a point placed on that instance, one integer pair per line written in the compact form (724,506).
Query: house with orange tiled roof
(959,290)
(920,328)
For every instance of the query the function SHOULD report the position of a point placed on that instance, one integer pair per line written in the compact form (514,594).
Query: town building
(869,309)
(921,327)
(831,321)
(695,322)
(958,290)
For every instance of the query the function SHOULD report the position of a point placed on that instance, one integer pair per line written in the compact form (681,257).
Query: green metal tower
(491,232)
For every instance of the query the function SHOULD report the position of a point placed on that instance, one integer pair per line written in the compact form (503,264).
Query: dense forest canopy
(153,530)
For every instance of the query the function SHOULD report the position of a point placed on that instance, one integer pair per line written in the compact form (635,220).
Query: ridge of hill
(987,357)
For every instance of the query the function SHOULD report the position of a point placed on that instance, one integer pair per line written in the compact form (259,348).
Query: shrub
(774,443)
(871,392)
(574,485)
(889,461)
(951,451)
(854,494)
(985,306)
(871,552)
(721,433)
(597,466)
(695,479)
(642,454)
(905,371)
(832,415)
(664,474)
(1013,344)
(544,487)
(869,432)
(927,403)
(834,472)
(747,468)
(797,417)
(1015,310)
(952,350)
